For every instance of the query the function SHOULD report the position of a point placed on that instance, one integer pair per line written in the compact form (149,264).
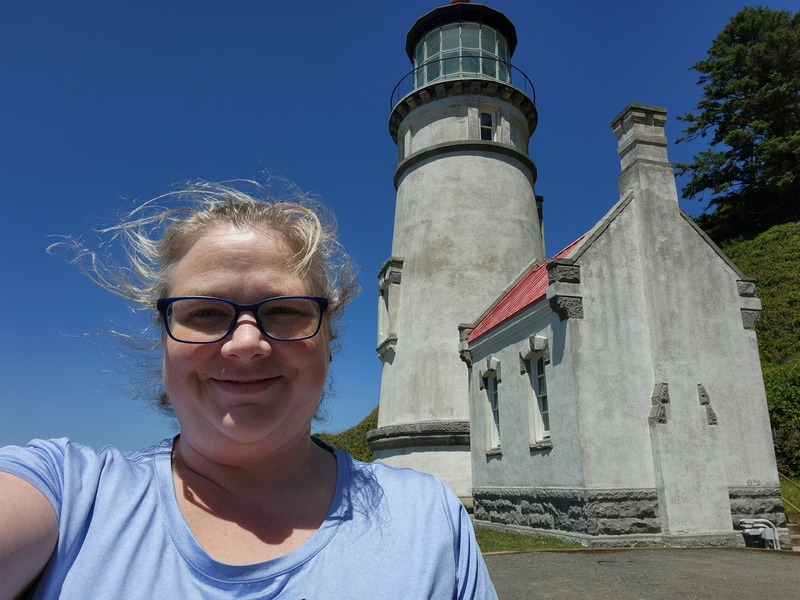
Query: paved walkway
(652,574)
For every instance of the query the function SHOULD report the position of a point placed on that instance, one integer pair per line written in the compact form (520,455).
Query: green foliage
(490,540)
(751,109)
(782,383)
(773,258)
(792,494)
(354,440)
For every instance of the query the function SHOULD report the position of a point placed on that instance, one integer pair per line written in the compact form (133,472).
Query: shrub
(354,440)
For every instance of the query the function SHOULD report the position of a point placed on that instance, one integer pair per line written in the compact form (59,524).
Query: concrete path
(652,574)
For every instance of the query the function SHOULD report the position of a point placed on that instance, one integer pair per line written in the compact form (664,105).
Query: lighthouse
(467,222)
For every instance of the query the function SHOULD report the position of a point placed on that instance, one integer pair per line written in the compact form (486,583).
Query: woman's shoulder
(64,450)
(54,465)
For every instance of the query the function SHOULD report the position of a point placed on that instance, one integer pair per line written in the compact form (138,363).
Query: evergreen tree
(751,109)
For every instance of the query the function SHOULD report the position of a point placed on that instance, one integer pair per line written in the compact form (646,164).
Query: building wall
(659,424)
(610,354)
(521,462)
(699,344)
(449,273)
(456,118)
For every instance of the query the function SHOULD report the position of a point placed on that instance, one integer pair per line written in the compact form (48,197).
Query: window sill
(543,445)
(494,451)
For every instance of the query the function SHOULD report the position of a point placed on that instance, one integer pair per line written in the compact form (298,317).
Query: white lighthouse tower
(467,222)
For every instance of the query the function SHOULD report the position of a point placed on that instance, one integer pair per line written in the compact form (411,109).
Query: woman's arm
(28,534)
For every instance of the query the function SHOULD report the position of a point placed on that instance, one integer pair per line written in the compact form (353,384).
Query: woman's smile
(245,386)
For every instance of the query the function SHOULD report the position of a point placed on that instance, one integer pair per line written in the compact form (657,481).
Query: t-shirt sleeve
(40,463)
(472,577)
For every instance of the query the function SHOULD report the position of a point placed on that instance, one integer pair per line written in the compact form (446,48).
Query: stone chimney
(642,149)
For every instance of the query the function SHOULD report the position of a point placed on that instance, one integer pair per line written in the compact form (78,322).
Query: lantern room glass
(461,50)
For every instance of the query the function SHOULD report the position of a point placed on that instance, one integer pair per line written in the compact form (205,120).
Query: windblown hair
(157,235)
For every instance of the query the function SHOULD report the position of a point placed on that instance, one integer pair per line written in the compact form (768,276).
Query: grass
(792,494)
(490,540)
(354,440)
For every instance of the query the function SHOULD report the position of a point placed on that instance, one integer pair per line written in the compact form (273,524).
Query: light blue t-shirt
(390,533)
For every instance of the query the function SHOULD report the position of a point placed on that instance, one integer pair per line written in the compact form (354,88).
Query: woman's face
(245,395)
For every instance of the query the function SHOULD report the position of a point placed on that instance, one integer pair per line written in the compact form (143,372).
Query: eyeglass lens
(209,319)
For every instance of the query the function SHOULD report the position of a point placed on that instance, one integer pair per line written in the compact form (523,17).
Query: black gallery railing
(464,66)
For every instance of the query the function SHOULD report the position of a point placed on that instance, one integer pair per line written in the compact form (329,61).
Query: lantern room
(461,40)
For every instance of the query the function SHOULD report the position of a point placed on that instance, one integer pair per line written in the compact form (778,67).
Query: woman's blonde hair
(155,236)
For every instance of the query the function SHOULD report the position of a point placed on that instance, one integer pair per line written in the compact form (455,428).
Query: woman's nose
(246,342)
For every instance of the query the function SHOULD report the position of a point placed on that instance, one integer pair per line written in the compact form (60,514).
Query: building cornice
(425,433)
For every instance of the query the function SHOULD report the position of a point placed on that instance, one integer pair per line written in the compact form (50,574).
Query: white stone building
(611,395)
(615,391)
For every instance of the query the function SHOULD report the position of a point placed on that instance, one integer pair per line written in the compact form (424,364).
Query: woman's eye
(208,312)
(278,312)
(275,311)
(201,311)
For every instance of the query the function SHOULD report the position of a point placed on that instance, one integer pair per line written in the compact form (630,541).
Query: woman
(243,503)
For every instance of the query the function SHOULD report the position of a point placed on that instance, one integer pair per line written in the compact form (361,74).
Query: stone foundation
(760,503)
(757,503)
(593,517)
(614,518)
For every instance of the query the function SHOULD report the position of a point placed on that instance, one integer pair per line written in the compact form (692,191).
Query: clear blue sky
(103,104)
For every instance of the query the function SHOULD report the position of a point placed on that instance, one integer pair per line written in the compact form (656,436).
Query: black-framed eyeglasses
(206,320)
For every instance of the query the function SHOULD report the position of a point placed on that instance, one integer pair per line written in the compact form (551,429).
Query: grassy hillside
(773,258)
(354,440)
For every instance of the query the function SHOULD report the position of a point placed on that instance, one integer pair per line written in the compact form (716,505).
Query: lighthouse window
(450,34)
(471,35)
(487,126)
(471,43)
(459,49)
(431,49)
(489,39)
(450,50)
(432,43)
(502,49)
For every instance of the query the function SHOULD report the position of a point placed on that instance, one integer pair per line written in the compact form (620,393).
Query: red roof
(529,290)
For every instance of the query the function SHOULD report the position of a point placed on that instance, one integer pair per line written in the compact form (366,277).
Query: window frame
(489,379)
(535,369)
(491,128)
(541,397)
(493,396)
